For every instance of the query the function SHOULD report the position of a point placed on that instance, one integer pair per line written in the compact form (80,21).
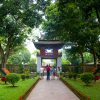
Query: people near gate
(48,68)
(41,72)
(53,73)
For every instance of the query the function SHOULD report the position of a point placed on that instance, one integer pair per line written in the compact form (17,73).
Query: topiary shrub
(70,75)
(27,76)
(87,77)
(74,75)
(12,78)
(23,77)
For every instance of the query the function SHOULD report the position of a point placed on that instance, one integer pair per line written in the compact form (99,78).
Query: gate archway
(48,50)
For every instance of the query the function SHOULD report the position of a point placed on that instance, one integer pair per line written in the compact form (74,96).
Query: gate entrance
(48,50)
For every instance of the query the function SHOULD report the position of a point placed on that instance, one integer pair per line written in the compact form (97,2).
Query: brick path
(51,90)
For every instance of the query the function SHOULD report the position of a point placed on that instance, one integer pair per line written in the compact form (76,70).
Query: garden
(16,86)
(74,22)
(83,85)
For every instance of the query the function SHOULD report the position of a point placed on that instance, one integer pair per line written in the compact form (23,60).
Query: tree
(88,57)
(66,21)
(20,57)
(17,17)
(32,64)
(90,8)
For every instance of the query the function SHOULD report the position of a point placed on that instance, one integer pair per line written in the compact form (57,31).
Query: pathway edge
(25,95)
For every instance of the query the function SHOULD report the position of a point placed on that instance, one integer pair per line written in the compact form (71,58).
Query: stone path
(51,90)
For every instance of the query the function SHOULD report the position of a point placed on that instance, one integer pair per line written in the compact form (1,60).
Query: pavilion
(48,50)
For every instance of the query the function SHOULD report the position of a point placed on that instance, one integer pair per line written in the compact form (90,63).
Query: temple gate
(48,50)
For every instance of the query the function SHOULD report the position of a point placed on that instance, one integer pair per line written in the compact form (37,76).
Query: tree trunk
(3,62)
(82,61)
(4,55)
(82,58)
(97,13)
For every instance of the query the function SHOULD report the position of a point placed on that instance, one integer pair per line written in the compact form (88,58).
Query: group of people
(51,72)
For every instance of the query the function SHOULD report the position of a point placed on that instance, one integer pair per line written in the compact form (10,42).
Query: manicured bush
(23,77)
(4,79)
(64,74)
(74,75)
(35,74)
(87,77)
(27,76)
(70,75)
(12,78)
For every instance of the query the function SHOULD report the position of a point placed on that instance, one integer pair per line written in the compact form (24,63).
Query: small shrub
(12,78)
(4,79)
(74,75)
(27,76)
(87,78)
(64,74)
(70,75)
(23,77)
(35,74)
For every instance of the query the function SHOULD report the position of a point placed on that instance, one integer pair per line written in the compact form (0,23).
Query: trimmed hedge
(87,77)
(12,78)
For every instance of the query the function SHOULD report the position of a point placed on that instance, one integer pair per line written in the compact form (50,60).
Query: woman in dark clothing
(48,72)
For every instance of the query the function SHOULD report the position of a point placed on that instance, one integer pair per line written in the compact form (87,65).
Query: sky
(30,46)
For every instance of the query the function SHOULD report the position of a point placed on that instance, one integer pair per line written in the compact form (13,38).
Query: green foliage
(64,61)
(20,68)
(32,64)
(23,77)
(91,91)
(27,73)
(80,27)
(35,74)
(88,57)
(70,75)
(22,56)
(74,76)
(64,74)
(9,93)
(87,78)
(65,68)
(12,78)
(17,18)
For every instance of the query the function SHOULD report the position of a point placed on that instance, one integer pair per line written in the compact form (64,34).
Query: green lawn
(93,91)
(7,92)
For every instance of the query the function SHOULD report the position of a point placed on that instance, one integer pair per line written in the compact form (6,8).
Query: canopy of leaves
(20,57)
(17,18)
(75,21)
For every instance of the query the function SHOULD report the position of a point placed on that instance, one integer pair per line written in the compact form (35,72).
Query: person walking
(48,72)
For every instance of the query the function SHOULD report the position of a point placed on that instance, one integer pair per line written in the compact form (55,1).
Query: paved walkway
(51,90)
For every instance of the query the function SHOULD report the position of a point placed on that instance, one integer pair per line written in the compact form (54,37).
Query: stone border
(78,93)
(25,95)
